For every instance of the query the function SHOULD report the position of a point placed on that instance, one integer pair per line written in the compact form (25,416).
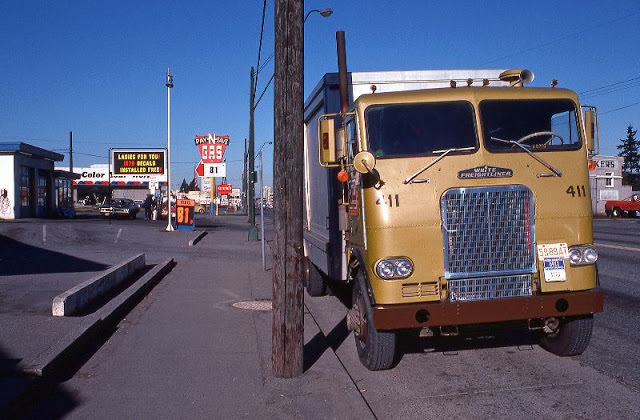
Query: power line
(264,9)
(612,87)
(618,109)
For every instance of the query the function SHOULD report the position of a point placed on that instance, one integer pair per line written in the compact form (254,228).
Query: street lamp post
(262,239)
(169,86)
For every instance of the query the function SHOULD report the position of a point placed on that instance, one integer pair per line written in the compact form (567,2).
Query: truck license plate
(554,269)
(552,257)
(553,251)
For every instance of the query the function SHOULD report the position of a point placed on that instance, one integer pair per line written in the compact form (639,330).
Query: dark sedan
(119,207)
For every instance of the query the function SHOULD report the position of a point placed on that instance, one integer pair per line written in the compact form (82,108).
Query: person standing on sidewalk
(148,207)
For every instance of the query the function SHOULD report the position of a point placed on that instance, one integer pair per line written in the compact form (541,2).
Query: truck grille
(488,231)
(482,288)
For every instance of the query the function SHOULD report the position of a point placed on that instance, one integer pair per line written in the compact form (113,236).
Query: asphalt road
(494,374)
(614,348)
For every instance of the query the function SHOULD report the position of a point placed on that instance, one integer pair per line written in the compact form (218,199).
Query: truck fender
(356,263)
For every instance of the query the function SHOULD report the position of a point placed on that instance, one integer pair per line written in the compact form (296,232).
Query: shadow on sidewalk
(17,258)
(18,391)
(314,349)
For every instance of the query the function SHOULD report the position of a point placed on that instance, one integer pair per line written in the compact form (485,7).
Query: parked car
(119,207)
(630,206)
(202,208)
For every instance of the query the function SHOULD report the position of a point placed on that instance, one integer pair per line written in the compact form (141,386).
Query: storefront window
(25,182)
(42,191)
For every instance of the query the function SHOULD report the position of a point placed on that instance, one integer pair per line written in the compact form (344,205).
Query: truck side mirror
(327,141)
(591,130)
(330,149)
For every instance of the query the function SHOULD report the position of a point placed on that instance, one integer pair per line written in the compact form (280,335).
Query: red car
(630,206)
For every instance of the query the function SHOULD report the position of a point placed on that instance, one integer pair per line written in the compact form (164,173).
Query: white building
(605,179)
(30,186)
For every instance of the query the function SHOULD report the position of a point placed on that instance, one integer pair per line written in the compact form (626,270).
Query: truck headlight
(394,268)
(582,255)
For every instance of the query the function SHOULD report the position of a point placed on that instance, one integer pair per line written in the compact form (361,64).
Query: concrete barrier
(75,299)
(197,238)
(57,359)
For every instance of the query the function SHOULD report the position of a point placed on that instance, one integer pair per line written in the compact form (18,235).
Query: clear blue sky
(98,67)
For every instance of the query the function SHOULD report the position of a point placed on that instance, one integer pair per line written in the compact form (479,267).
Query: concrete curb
(198,238)
(52,361)
(80,296)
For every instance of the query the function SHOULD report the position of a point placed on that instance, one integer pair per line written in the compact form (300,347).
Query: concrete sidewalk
(207,327)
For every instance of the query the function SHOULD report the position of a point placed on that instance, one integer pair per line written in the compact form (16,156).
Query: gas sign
(212,147)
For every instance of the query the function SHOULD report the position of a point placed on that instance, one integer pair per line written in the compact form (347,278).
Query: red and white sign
(224,189)
(200,169)
(211,147)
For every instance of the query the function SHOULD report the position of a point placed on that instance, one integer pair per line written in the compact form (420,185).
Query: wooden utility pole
(288,332)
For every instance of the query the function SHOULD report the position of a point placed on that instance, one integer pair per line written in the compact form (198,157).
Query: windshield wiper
(445,152)
(533,155)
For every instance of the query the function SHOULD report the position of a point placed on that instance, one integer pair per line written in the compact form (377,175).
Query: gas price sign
(184,214)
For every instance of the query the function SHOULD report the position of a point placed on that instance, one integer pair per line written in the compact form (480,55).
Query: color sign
(138,161)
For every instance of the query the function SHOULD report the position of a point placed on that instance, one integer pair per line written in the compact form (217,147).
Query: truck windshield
(420,128)
(538,125)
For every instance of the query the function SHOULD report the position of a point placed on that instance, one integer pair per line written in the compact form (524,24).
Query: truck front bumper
(434,314)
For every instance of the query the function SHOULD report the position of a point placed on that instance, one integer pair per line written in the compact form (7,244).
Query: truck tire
(571,339)
(376,349)
(313,281)
(616,212)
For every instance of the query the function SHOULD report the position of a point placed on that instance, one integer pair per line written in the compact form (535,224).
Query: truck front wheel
(376,349)
(571,338)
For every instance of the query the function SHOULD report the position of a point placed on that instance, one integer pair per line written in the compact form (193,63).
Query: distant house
(605,179)
(30,186)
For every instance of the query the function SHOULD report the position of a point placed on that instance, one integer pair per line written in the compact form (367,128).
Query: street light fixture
(323,12)
(169,85)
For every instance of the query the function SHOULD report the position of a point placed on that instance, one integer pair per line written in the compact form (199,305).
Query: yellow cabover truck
(450,199)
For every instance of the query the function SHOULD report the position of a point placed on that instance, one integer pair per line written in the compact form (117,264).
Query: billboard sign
(138,161)
(212,147)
